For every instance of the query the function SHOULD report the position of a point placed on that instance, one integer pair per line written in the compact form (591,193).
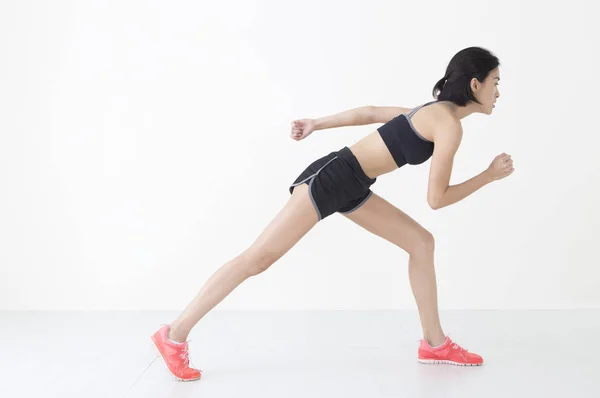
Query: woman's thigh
(385,220)
(291,223)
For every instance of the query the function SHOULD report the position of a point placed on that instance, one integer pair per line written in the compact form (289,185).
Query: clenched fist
(302,128)
(501,167)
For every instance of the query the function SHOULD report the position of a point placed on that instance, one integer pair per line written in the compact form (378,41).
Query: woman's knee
(258,260)
(424,243)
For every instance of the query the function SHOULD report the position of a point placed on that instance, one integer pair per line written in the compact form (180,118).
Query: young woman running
(340,182)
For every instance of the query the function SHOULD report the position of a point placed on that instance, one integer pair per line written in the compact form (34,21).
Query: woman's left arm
(440,193)
(458,192)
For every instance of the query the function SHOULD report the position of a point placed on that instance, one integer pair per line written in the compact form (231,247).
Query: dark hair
(469,63)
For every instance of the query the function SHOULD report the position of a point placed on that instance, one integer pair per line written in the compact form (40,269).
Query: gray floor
(300,354)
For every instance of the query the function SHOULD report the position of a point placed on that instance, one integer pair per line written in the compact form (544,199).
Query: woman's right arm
(359,116)
(353,117)
(368,114)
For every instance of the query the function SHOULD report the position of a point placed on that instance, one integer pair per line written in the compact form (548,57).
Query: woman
(340,181)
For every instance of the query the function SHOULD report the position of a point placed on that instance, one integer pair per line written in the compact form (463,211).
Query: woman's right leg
(296,218)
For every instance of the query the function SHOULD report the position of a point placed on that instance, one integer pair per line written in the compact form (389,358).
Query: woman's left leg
(383,219)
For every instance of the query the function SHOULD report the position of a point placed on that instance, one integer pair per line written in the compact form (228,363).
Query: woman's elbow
(434,203)
(435,198)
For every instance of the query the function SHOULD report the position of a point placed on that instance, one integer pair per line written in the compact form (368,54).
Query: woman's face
(487,92)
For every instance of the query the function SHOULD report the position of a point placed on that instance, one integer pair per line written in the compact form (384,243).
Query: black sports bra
(404,142)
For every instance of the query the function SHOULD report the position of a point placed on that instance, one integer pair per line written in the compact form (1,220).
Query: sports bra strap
(428,103)
(417,108)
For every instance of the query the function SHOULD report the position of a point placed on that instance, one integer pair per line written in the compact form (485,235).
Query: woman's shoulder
(447,126)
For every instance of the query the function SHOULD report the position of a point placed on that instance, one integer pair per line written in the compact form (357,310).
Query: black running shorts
(336,183)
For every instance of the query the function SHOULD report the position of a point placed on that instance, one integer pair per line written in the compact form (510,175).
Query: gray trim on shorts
(313,175)
(313,199)
(312,178)
(358,205)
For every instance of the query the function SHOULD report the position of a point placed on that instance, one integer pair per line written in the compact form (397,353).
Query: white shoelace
(185,355)
(454,345)
(457,346)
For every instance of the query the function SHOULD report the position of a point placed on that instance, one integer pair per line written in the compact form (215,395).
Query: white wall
(143,144)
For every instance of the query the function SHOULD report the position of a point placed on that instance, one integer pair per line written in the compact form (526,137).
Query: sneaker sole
(439,361)
(167,366)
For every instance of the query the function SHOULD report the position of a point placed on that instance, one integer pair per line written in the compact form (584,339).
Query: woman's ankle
(435,338)
(176,334)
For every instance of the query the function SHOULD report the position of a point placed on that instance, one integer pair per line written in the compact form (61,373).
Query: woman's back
(405,139)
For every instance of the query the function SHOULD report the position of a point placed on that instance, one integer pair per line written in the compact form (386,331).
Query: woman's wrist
(320,123)
(487,176)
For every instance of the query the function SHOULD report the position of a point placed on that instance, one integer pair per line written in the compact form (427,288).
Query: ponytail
(439,86)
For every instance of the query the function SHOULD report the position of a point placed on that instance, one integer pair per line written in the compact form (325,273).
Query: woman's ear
(474,84)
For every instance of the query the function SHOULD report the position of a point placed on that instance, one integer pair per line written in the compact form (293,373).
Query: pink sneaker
(175,355)
(449,352)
